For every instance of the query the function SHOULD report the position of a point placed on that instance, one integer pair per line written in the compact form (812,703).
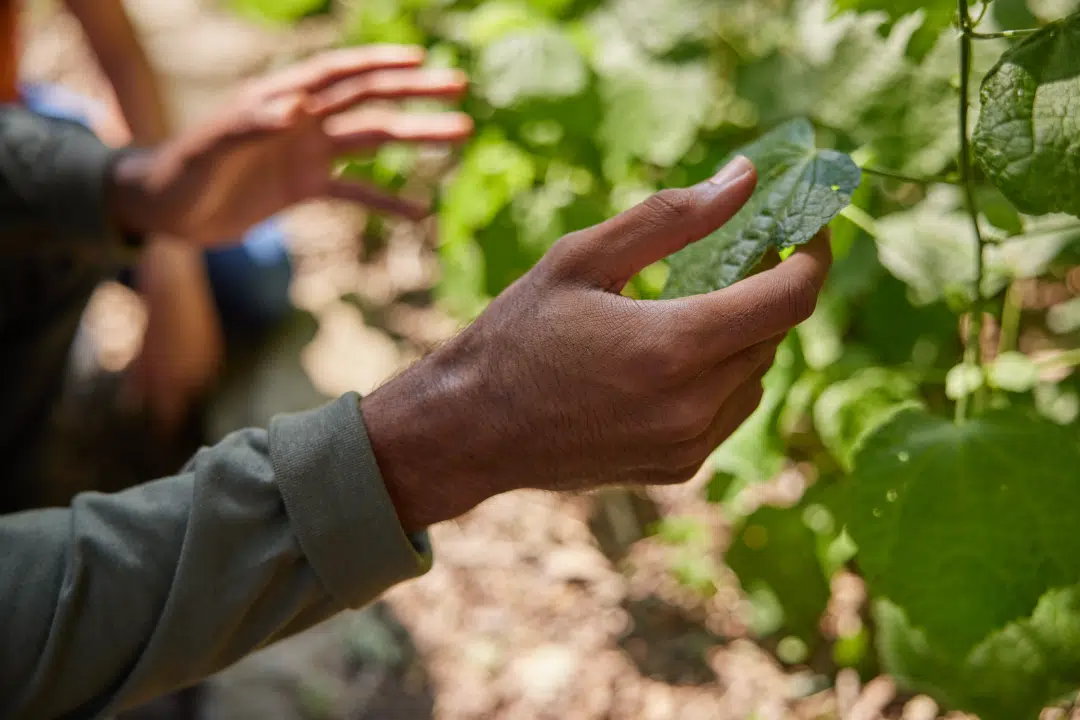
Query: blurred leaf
(491,173)
(849,410)
(931,501)
(387,21)
(1012,673)
(536,64)
(822,335)
(661,26)
(939,13)
(774,548)
(493,21)
(643,96)
(800,189)
(931,248)
(755,452)
(280,10)
(681,531)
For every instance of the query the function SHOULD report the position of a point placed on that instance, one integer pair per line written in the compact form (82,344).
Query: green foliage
(939,13)
(1026,140)
(774,553)
(849,410)
(965,527)
(1013,673)
(282,11)
(800,189)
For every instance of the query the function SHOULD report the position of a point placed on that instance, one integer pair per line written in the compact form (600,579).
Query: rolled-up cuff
(338,504)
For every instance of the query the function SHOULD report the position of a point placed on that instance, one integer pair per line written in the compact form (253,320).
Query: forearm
(124,597)
(115,42)
(139,95)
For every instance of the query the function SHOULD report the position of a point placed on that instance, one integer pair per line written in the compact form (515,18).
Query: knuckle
(799,297)
(685,419)
(564,259)
(668,363)
(668,206)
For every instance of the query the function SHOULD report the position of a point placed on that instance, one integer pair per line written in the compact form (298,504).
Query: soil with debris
(538,606)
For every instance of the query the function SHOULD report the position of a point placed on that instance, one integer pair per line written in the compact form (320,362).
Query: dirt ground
(538,606)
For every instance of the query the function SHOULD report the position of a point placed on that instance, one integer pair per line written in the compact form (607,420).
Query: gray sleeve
(53,178)
(124,597)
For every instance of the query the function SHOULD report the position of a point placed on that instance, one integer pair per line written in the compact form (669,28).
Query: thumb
(611,253)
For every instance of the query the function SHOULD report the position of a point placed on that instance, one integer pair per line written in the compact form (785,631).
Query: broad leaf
(847,411)
(848,74)
(755,452)
(775,551)
(1010,675)
(1026,139)
(535,64)
(640,94)
(660,26)
(932,248)
(939,13)
(800,189)
(964,527)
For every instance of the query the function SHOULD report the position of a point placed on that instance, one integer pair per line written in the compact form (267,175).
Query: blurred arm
(115,43)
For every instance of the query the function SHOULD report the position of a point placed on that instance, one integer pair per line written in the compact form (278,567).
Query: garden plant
(930,403)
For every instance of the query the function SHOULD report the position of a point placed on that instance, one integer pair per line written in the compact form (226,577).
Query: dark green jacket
(123,597)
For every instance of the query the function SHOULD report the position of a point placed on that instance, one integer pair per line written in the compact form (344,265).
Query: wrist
(136,193)
(425,442)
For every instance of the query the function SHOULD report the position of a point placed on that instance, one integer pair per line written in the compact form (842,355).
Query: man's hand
(564,384)
(276,145)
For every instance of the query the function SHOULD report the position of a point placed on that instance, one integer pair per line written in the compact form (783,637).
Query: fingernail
(735,170)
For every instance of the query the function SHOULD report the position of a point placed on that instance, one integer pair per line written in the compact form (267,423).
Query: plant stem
(1066,359)
(860,219)
(1010,319)
(928,180)
(972,351)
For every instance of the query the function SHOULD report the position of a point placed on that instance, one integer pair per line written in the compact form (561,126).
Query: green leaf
(774,549)
(755,452)
(660,26)
(932,248)
(536,64)
(847,411)
(280,10)
(642,96)
(800,189)
(1012,674)
(1026,139)
(965,527)
(939,13)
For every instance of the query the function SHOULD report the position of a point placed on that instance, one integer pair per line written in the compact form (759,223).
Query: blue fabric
(250,280)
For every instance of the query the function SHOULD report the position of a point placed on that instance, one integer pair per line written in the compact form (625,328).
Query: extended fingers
(397,84)
(316,73)
(367,128)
